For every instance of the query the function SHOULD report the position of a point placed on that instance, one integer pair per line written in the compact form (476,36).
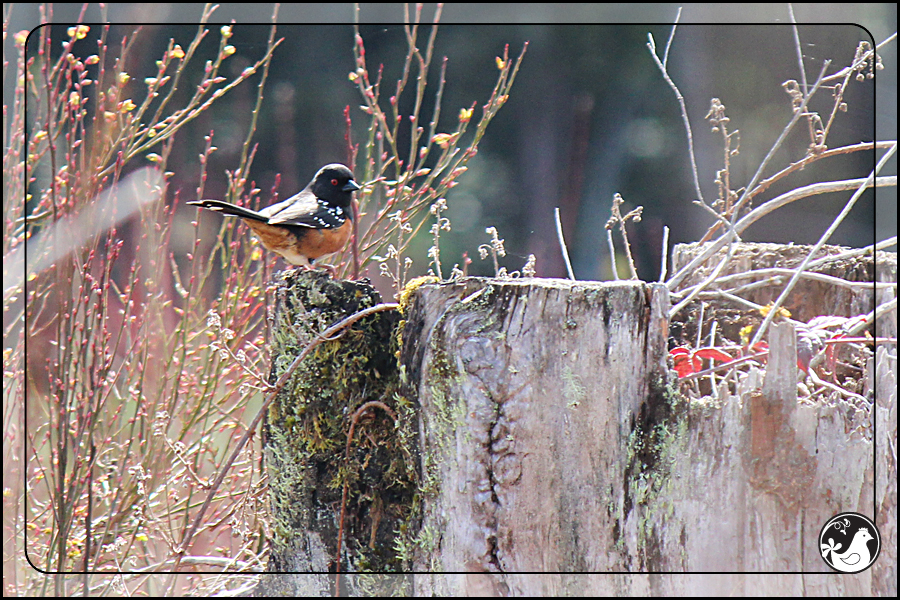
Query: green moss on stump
(308,424)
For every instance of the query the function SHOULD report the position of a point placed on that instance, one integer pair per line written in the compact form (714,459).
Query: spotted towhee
(314,222)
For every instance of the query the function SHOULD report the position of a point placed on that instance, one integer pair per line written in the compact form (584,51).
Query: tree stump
(542,404)
(539,431)
(322,486)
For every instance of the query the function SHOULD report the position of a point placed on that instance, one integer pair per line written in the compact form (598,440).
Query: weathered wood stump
(539,431)
(543,402)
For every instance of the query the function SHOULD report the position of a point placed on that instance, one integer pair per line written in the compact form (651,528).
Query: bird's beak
(351,186)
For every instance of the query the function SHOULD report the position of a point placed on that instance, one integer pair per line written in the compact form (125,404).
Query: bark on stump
(306,442)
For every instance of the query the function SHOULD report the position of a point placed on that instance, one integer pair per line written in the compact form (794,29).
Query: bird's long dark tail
(232,210)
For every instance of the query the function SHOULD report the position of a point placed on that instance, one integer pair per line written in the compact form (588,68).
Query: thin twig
(636,214)
(744,302)
(822,187)
(851,252)
(835,388)
(671,37)
(712,344)
(684,115)
(617,218)
(665,254)
(562,245)
(699,341)
(880,311)
(798,47)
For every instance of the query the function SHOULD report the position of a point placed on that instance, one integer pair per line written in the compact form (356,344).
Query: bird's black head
(334,184)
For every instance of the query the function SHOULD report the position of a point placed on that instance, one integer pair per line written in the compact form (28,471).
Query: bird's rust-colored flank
(299,246)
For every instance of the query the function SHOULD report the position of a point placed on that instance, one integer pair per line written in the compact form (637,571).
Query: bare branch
(562,245)
(825,236)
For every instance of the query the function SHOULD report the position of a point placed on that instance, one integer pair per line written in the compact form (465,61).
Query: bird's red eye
(334,182)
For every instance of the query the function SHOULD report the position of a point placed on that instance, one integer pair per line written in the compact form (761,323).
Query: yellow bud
(228,50)
(442,139)
(177,51)
(782,312)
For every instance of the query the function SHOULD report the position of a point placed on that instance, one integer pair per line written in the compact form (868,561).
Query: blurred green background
(588,116)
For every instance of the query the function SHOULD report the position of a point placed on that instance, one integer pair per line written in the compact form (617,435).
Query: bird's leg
(330,268)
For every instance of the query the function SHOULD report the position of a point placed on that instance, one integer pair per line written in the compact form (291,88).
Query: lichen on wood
(309,422)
